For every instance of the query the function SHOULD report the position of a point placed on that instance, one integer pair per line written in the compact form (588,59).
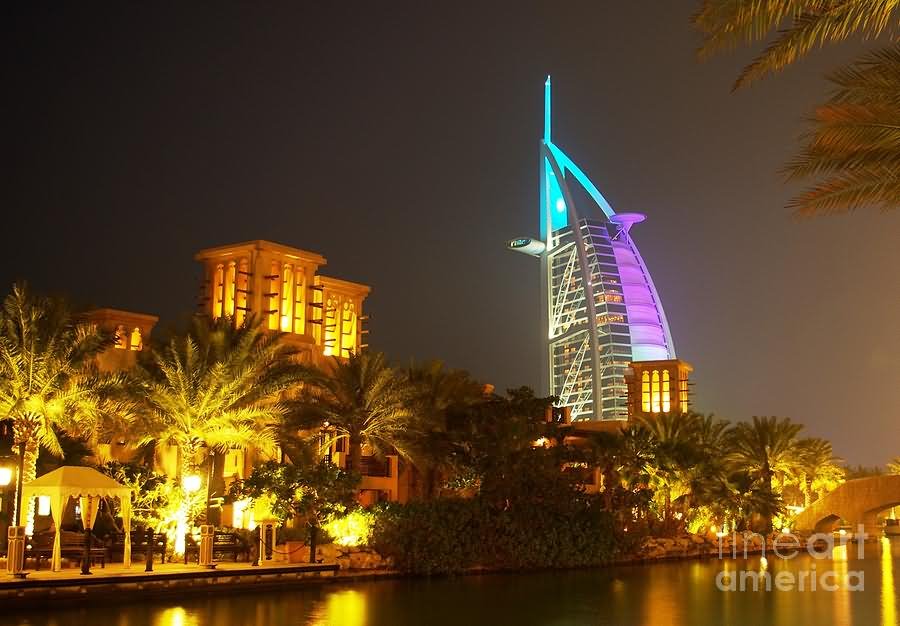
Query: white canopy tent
(89,485)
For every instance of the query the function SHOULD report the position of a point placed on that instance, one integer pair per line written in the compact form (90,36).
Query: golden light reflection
(664,601)
(839,553)
(841,595)
(888,591)
(176,616)
(343,608)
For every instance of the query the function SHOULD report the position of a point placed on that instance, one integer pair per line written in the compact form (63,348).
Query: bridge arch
(855,502)
(828,524)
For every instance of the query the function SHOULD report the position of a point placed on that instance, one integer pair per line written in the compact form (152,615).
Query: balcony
(376,467)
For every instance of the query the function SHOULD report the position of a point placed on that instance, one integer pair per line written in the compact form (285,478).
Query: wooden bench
(224,543)
(40,547)
(115,543)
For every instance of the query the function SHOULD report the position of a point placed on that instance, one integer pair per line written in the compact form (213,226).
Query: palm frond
(855,141)
(877,187)
(801,26)
(833,22)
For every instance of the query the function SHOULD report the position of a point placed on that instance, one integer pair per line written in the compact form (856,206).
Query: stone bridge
(855,502)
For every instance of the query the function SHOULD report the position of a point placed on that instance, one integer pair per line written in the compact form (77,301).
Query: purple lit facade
(591,272)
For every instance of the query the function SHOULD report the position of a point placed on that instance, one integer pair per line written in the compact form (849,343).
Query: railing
(374,466)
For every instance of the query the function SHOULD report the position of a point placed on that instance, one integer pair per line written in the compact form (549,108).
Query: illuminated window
(299,309)
(348,329)
(683,395)
(316,314)
(654,392)
(273,299)
(666,392)
(242,287)
(218,291)
(121,337)
(645,392)
(228,290)
(136,342)
(330,342)
(287,298)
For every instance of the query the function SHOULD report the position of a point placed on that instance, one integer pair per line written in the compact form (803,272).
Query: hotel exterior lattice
(601,309)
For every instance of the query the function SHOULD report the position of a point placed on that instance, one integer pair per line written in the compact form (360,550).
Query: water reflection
(343,608)
(838,579)
(663,599)
(888,592)
(673,593)
(176,616)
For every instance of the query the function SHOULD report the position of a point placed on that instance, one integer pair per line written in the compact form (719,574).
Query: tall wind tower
(601,310)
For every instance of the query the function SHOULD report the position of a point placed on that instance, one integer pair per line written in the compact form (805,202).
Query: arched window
(121,337)
(654,392)
(136,342)
(218,291)
(273,295)
(242,286)
(330,343)
(299,293)
(666,392)
(287,298)
(348,329)
(228,289)
(645,392)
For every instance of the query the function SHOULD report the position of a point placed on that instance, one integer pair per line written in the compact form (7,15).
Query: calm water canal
(677,593)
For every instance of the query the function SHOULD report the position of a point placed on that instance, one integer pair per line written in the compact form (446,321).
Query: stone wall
(357,560)
(710,546)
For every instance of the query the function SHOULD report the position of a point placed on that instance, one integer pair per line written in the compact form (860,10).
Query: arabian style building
(280,286)
(601,309)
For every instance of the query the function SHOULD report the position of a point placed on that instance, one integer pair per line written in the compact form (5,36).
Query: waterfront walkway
(71,587)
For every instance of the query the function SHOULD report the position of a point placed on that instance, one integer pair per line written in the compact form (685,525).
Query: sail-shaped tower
(601,310)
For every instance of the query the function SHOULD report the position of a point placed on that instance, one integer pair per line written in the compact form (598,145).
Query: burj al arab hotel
(601,310)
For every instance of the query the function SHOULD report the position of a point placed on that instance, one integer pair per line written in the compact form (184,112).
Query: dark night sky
(400,141)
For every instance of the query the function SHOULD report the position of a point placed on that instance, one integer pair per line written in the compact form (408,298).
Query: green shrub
(454,535)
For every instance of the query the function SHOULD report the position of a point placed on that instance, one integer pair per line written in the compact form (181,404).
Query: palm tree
(710,440)
(48,379)
(738,497)
(217,388)
(675,455)
(363,398)
(894,466)
(435,392)
(856,142)
(766,448)
(819,471)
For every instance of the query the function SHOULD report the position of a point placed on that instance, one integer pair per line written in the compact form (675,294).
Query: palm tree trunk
(807,492)
(767,479)
(430,482)
(667,509)
(313,537)
(606,479)
(186,467)
(355,453)
(29,473)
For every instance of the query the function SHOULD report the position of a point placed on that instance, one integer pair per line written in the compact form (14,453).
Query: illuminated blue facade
(591,270)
